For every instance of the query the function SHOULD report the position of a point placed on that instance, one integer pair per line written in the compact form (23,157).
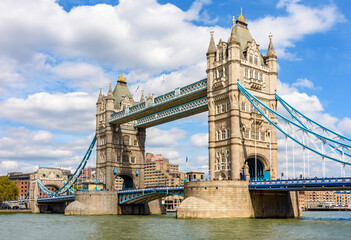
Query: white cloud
(9,165)
(304,83)
(300,21)
(345,125)
(22,149)
(199,140)
(157,138)
(73,112)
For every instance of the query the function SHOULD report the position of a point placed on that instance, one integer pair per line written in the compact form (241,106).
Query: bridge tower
(120,148)
(238,135)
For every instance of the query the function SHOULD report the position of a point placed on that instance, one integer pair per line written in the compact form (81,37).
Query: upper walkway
(310,184)
(181,102)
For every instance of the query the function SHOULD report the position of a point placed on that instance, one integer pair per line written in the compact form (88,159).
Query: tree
(8,189)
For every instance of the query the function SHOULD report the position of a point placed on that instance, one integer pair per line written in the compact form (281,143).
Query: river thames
(313,225)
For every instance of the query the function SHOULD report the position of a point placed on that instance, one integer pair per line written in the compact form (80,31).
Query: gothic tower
(238,135)
(120,148)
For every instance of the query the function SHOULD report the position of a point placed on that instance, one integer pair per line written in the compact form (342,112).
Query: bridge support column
(152,207)
(231,199)
(277,204)
(93,203)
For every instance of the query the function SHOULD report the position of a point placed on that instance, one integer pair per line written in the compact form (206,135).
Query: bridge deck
(182,102)
(314,184)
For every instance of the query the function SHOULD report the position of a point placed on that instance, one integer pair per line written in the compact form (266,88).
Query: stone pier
(232,199)
(93,203)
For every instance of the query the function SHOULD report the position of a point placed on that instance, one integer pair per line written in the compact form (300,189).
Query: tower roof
(212,45)
(99,98)
(110,95)
(120,91)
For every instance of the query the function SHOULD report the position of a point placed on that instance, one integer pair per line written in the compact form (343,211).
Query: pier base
(93,203)
(232,199)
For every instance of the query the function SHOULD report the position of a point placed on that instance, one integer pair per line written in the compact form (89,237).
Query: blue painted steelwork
(172,112)
(310,184)
(258,105)
(179,93)
(145,195)
(69,184)
(56,199)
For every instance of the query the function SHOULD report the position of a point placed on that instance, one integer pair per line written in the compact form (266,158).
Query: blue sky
(54,56)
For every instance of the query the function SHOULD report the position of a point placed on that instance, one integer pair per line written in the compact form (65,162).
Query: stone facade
(120,148)
(237,133)
(52,178)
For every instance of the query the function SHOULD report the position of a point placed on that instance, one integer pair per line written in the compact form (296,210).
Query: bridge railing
(154,189)
(177,93)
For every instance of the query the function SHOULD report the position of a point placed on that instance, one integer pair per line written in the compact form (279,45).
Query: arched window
(228,107)
(255,61)
(217,109)
(217,138)
(250,59)
(228,133)
(256,75)
(243,106)
(222,110)
(219,134)
(223,134)
(261,76)
(246,72)
(251,73)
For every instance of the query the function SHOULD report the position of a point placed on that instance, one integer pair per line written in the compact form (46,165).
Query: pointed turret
(270,51)
(110,94)
(233,39)
(99,101)
(142,98)
(212,46)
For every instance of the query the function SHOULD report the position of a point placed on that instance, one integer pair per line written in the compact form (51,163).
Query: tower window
(256,75)
(246,72)
(255,61)
(243,106)
(250,59)
(223,134)
(228,106)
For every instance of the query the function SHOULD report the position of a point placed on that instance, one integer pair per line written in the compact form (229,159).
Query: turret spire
(142,98)
(233,39)
(270,51)
(212,46)
(100,97)
(110,94)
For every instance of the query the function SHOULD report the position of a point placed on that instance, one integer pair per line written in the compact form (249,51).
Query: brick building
(22,182)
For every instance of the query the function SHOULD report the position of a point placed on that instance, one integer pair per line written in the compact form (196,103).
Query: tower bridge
(240,95)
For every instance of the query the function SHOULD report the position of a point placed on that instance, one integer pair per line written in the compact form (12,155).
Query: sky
(55,55)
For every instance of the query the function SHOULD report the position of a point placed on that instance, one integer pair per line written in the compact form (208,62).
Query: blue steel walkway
(57,199)
(311,184)
(145,195)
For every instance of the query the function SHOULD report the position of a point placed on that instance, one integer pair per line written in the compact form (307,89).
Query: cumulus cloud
(22,149)
(9,165)
(74,112)
(199,140)
(299,21)
(159,138)
(304,83)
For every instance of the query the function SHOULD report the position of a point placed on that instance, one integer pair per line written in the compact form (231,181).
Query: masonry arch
(126,183)
(263,169)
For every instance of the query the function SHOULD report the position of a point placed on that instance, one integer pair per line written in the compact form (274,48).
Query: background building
(22,182)
(159,172)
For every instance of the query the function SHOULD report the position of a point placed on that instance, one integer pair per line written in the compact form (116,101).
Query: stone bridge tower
(120,148)
(239,135)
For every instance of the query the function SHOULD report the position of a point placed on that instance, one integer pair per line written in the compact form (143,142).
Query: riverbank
(14,211)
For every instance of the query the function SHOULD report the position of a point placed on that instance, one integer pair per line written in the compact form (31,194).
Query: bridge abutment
(93,203)
(232,199)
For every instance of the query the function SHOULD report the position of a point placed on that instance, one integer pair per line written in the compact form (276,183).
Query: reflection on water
(313,225)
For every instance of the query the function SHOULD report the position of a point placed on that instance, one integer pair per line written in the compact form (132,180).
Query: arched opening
(261,173)
(52,188)
(124,182)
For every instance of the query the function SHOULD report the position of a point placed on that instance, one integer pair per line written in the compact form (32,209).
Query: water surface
(313,225)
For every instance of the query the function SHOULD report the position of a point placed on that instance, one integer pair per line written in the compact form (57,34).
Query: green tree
(8,189)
